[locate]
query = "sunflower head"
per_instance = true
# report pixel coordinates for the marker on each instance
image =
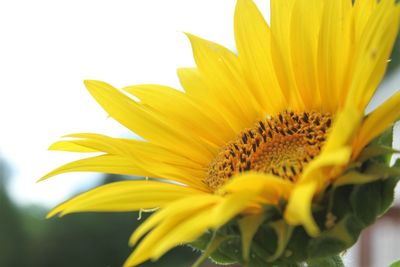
(352, 202)
(281, 145)
(267, 157)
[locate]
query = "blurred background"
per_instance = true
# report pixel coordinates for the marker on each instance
(47, 49)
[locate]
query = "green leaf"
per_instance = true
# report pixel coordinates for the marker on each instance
(256, 262)
(339, 201)
(334, 261)
(229, 251)
(389, 184)
(333, 241)
(366, 201)
(388, 194)
(372, 200)
(203, 241)
(298, 244)
(326, 246)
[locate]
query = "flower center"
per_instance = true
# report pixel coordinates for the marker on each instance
(280, 145)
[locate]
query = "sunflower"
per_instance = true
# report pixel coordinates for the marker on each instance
(276, 125)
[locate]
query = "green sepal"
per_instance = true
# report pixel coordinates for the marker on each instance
(366, 201)
(383, 170)
(283, 232)
(297, 248)
(384, 140)
(205, 244)
(337, 239)
(388, 193)
(228, 252)
(203, 241)
(373, 199)
(375, 150)
(267, 240)
(212, 246)
(248, 227)
(333, 261)
(339, 202)
(355, 177)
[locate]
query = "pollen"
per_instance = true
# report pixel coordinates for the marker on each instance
(281, 145)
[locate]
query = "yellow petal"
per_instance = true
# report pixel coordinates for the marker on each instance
(270, 188)
(192, 82)
(222, 72)
(187, 231)
(248, 228)
(113, 164)
(188, 224)
(125, 196)
(120, 164)
(195, 226)
(130, 147)
(185, 114)
(343, 129)
(71, 147)
(230, 206)
(315, 177)
(322, 168)
(194, 85)
(281, 13)
(166, 234)
(93, 143)
(304, 33)
(335, 51)
(149, 157)
(146, 124)
(174, 209)
(377, 122)
(372, 52)
(298, 210)
(363, 10)
(284, 233)
(253, 41)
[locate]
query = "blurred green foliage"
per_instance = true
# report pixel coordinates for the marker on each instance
(28, 239)
(88, 239)
(13, 238)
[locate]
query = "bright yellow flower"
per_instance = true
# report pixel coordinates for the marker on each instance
(281, 119)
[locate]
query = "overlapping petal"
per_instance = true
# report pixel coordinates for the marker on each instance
(372, 50)
(146, 123)
(126, 196)
(377, 122)
(180, 223)
(253, 42)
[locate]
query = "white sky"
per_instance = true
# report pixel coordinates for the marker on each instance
(48, 47)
